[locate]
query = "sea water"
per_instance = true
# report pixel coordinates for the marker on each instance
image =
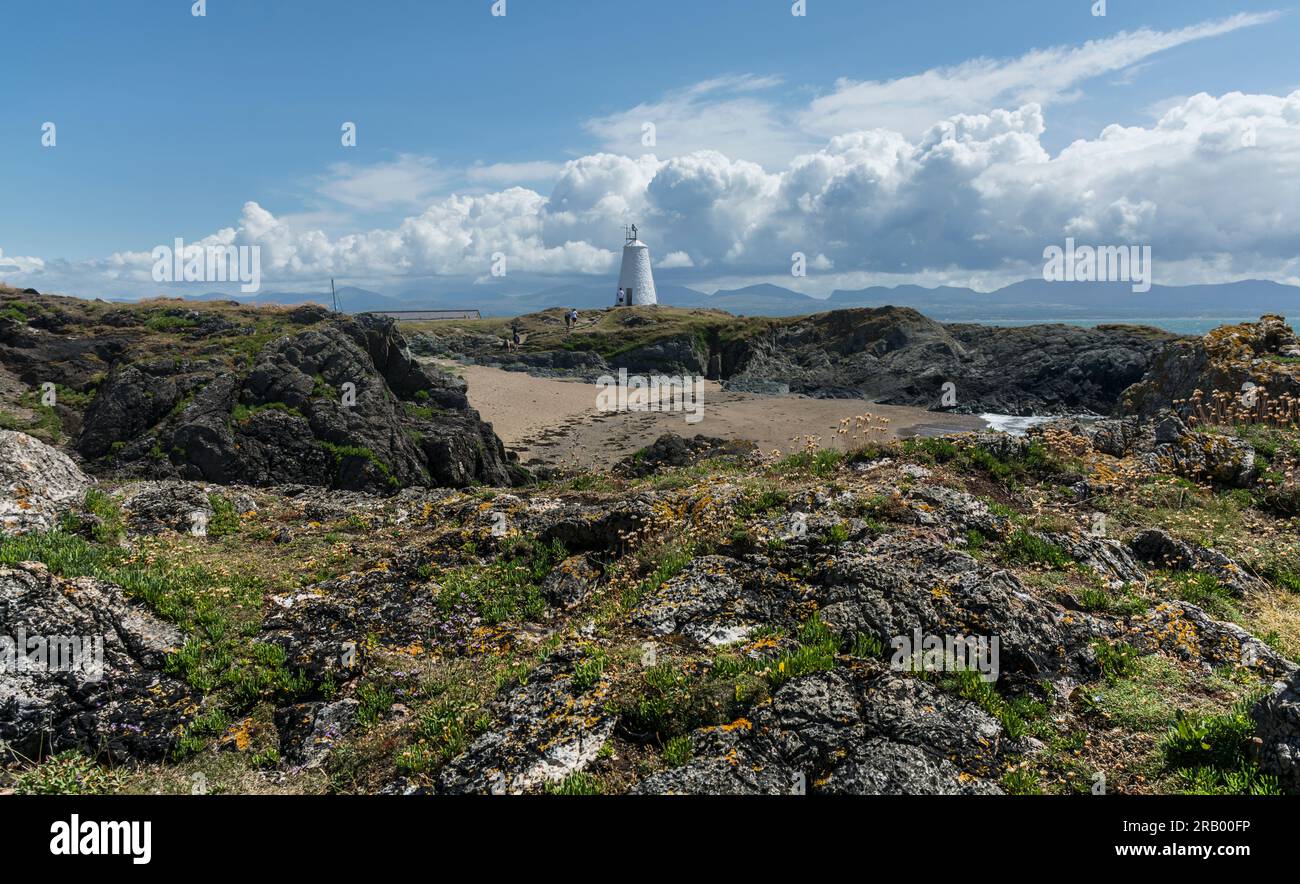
(1014, 425)
(1180, 326)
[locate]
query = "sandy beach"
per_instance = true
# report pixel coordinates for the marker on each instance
(556, 422)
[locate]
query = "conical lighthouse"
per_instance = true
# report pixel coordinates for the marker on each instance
(636, 282)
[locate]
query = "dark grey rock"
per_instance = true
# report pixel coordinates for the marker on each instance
(544, 731)
(300, 423)
(1161, 550)
(1277, 724)
(129, 709)
(37, 484)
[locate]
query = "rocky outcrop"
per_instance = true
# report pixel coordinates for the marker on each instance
(552, 727)
(1222, 366)
(1108, 558)
(323, 628)
(571, 582)
(854, 731)
(1203, 457)
(897, 356)
(894, 586)
(1163, 443)
(340, 403)
(91, 673)
(151, 507)
(1183, 630)
(1277, 721)
(308, 731)
(887, 354)
(670, 451)
(1116, 437)
(490, 350)
(717, 601)
(1160, 550)
(37, 483)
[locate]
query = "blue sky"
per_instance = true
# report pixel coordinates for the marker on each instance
(170, 125)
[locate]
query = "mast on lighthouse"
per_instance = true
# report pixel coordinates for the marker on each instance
(636, 282)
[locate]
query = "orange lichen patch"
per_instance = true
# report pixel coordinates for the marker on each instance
(240, 734)
(1175, 631)
(762, 644)
(740, 724)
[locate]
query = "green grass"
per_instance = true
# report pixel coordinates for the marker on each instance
(1021, 781)
(576, 783)
(508, 588)
(421, 412)
(225, 519)
(588, 673)
(836, 534)
(1026, 548)
(867, 647)
(761, 503)
(930, 450)
(1210, 754)
(243, 413)
(1019, 717)
(677, 751)
(1036, 462)
(666, 563)
(1269, 442)
(805, 464)
(111, 527)
(1126, 603)
(68, 773)
(815, 652)
(660, 704)
(201, 731)
(1206, 592)
(161, 322)
(443, 730)
(1288, 580)
(1116, 659)
(44, 424)
(1140, 702)
(373, 702)
(219, 655)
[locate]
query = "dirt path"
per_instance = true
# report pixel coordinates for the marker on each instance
(557, 421)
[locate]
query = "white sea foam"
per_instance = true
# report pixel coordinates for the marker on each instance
(1014, 425)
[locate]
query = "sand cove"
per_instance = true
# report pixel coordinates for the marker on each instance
(556, 421)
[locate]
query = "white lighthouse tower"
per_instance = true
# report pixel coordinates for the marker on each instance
(636, 282)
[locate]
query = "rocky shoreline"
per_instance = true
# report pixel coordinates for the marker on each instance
(889, 355)
(705, 617)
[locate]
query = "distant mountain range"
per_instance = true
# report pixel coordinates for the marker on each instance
(1031, 300)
